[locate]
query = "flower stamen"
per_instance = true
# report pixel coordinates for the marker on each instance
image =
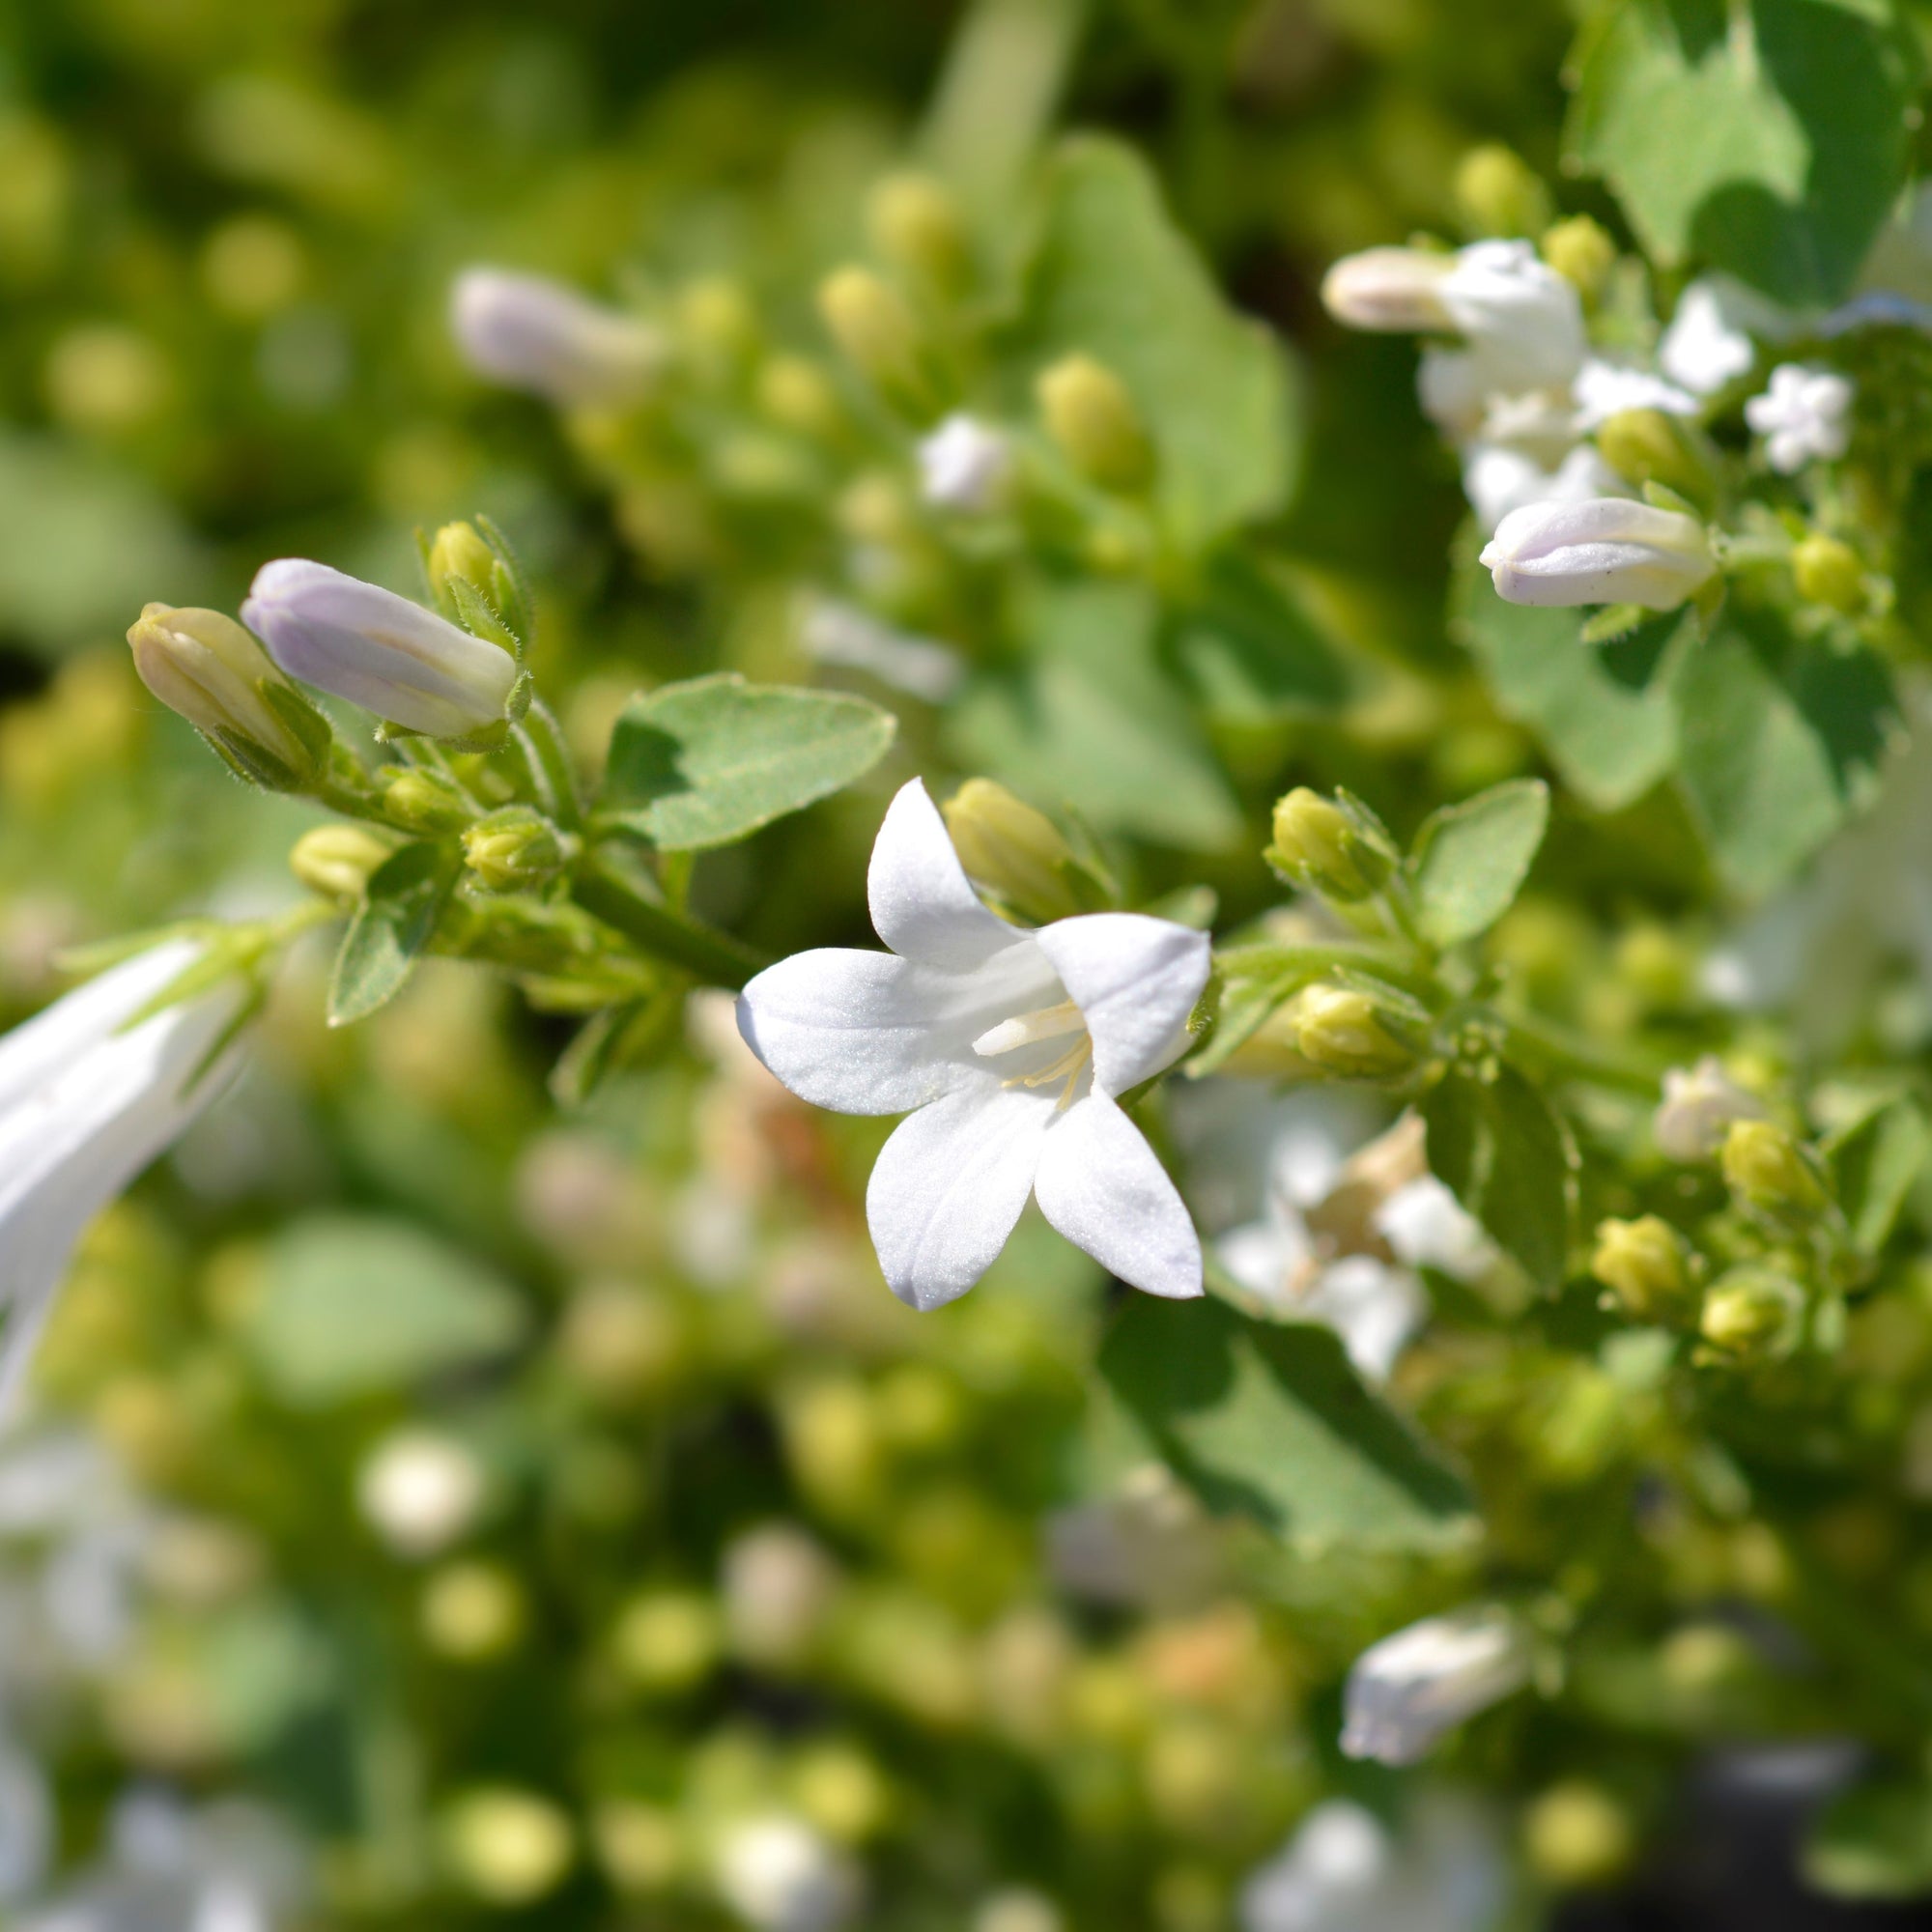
(1025, 1029)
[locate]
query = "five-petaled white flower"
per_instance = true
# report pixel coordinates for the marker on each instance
(86, 1102)
(1805, 413)
(1012, 1045)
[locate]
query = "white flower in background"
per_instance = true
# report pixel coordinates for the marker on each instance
(84, 1107)
(1699, 1104)
(842, 633)
(1521, 318)
(1344, 1871)
(778, 1583)
(964, 466)
(1012, 1047)
(528, 332)
(1499, 477)
(27, 1822)
(1605, 551)
(392, 657)
(1706, 345)
(1404, 1692)
(1804, 416)
(420, 1490)
(1605, 389)
(779, 1875)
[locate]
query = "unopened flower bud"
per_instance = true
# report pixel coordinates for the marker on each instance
(376, 649)
(513, 849)
(915, 224)
(473, 1611)
(1648, 446)
(1317, 847)
(1576, 1834)
(798, 395)
(528, 332)
(508, 1847)
(1752, 1311)
(1607, 549)
(1406, 1690)
(1340, 1031)
(204, 665)
(337, 861)
(1699, 1105)
(871, 324)
(667, 1640)
(1392, 290)
(1767, 1168)
(1016, 853)
(458, 551)
(1092, 418)
(717, 318)
(424, 801)
(1647, 1266)
(1583, 252)
(1829, 571)
(1500, 193)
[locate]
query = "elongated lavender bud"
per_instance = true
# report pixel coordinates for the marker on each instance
(528, 332)
(1605, 551)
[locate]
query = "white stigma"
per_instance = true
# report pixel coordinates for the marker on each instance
(1043, 1023)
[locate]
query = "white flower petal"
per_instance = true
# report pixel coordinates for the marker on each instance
(1135, 980)
(1100, 1184)
(871, 1032)
(949, 1185)
(922, 904)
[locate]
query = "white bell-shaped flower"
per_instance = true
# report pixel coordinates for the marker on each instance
(1009, 1049)
(1804, 415)
(86, 1102)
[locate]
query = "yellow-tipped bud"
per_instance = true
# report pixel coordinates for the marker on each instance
(336, 861)
(1649, 446)
(1340, 1031)
(1830, 572)
(1646, 1265)
(1765, 1167)
(513, 849)
(205, 666)
(1583, 252)
(1016, 853)
(1092, 418)
(459, 551)
(915, 224)
(1318, 848)
(1752, 1311)
(424, 801)
(508, 1847)
(473, 1611)
(1498, 192)
(1576, 1834)
(869, 321)
(798, 395)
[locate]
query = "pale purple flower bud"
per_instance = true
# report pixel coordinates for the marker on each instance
(528, 332)
(359, 642)
(1407, 1691)
(1605, 551)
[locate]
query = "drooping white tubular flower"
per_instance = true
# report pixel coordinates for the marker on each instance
(1012, 1047)
(528, 332)
(1804, 415)
(1705, 347)
(1699, 1104)
(1607, 551)
(359, 642)
(1406, 1691)
(84, 1107)
(1498, 478)
(964, 465)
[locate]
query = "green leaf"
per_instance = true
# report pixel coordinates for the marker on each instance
(1874, 1166)
(1092, 718)
(708, 762)
(1471, 859)
(393, 925)
(1496, 1143)
(1775, 754)
(1268, 1421)
(1768, 137)
(1603, 713)
(1250, 651)
(1116, 279)
(1873, 1841)
(352, 1304)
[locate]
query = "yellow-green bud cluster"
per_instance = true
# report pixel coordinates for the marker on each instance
(337, 861)
(1340, 1030)
(1752, 1312)
(916, 225)
(1583, 252)
(514, 849)
(1829, 571)
(1646, 1263)
(424, 801)
(1648, 446)
(879, 336)
(1498, 192)
(1766, 1169)
(1319, 847)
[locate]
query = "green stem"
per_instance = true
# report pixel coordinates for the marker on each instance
(716, 957)
(540, 739)
(1312, 962)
